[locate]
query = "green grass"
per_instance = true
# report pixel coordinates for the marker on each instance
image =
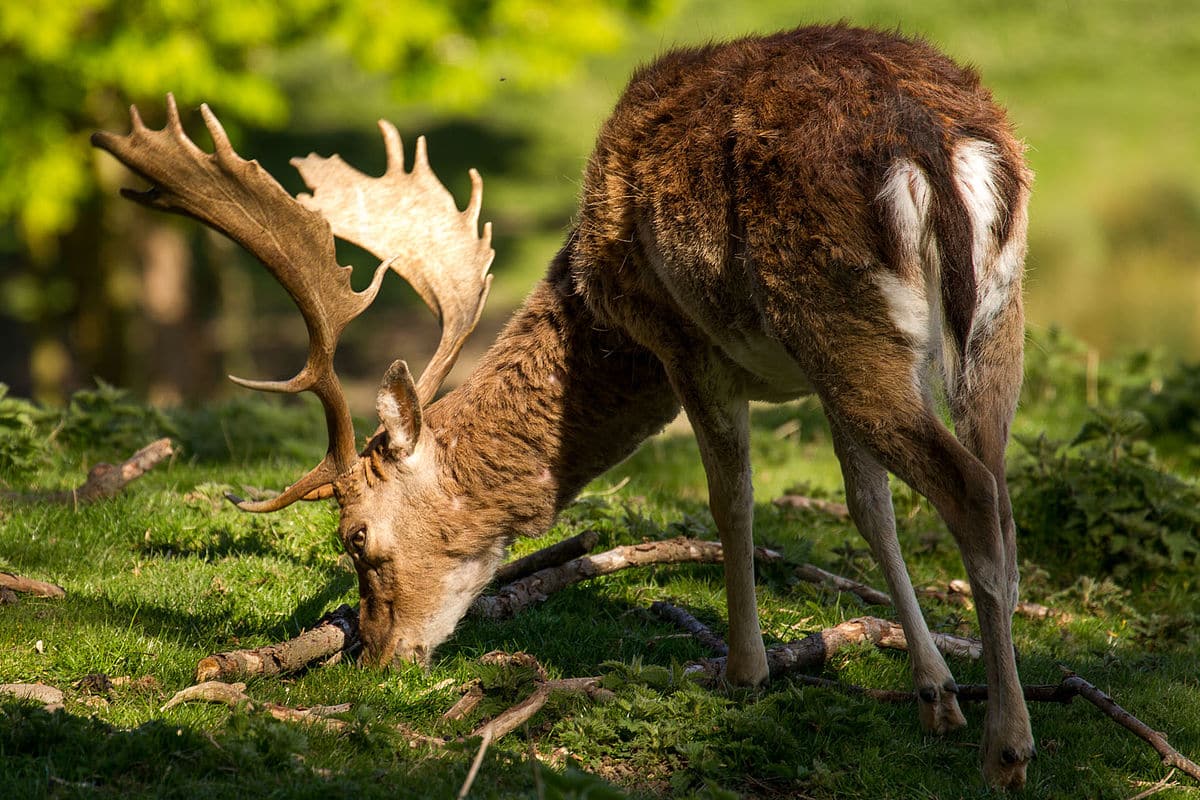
(167, 573)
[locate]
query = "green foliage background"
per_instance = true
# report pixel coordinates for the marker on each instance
(518, 88)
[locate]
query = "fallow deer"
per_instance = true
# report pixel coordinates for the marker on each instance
(828, 210)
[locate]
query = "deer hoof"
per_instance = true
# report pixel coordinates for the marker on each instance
(938, 708)
(1004, 767)
(746, 671)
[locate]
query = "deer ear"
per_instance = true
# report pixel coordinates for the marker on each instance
(399, 409)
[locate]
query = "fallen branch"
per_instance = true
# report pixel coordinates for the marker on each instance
(699, 631)
(559, 553)
(515, 716)
(338, 630)
(466, 704)
(49, 696)
(814, 574)
(1170, 756)
(815, 649)
(104, 480)
(18, 583)
(234, 695)
(333, 634)
(519, 595)
(958, 593)
(1071, 687)
(839, 510)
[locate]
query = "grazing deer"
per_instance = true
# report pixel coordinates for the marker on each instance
(829, 210)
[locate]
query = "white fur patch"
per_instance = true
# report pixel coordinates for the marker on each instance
(975, 163)
(996, 268)
(907, 305)
(906, 196)
(459, 587)
(995, 291)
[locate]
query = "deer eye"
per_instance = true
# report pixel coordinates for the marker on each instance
(356, 542)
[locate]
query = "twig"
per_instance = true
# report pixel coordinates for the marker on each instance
(839, 510)
(515, 716)
(18, 583)
(1071, 687)
(560, 553)
(334, 633)
(234, 695)
(104, 480)
(682, 619)
(483, 746)
(1156, 788)
(519, 595)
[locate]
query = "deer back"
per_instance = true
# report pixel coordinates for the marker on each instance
(793, 185)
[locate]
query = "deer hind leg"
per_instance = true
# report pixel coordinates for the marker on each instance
(895, 423)
(870, 501)
(983, 410)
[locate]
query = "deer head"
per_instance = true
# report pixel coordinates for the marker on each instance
(389, 497)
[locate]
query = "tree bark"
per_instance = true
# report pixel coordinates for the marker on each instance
(521, 594)
(104, 480)
(18, 583)
(814, 650)
(333, 634)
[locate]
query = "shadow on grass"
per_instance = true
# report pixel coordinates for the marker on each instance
(64, 755)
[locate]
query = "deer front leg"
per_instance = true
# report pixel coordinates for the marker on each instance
(870, 500)
(723, 433)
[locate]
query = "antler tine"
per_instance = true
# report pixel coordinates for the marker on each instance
(393, 146)
(240, 199)
(412, 219)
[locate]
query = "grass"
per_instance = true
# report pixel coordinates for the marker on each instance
(167, 573)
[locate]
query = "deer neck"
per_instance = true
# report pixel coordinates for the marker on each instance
(556, 401)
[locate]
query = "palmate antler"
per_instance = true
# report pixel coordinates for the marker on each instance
(295, 243)
(411, 219)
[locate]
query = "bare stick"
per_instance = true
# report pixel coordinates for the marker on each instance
(560, 553)
(234, 695)
(682, 619)
(815, 649)
(1071, 687)
(104, 480)
(466, 704)
(515, 716)
(814, 574)
(18, 583)
(333, 634)
(535, 588)
(839, 510)
(1170, 756)
(1157, 787)
(476, 763)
